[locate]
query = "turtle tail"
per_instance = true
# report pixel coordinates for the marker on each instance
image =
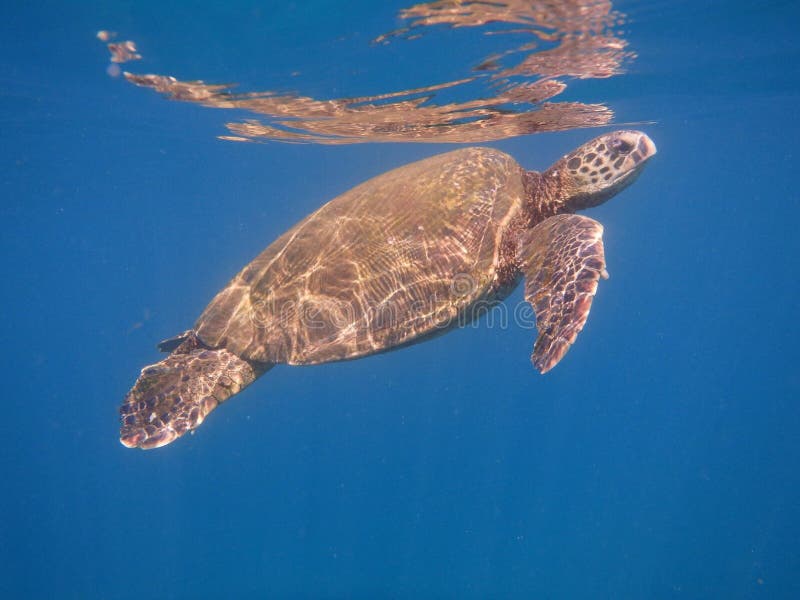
(174, 395)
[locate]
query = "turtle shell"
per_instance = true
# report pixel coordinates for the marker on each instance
(396, 258)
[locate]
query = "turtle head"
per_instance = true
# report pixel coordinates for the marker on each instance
(601, 168)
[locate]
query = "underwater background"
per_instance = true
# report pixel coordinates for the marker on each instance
(659, 459)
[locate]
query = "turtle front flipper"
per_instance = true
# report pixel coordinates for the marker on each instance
(562, 259)
(175, 395)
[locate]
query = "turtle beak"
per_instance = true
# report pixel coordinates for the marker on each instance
(635, 145)
(645, 146)
(636, 149)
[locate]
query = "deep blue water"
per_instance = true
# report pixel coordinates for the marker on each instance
(658, 460)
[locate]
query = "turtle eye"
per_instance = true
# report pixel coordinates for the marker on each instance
(621, 146)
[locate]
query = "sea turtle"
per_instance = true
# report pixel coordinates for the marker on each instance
(394, 261)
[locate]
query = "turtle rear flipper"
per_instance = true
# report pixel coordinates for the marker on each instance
(562, 259)
(175, 395)
(171, 344)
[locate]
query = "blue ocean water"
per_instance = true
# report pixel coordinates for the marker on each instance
(658, 460)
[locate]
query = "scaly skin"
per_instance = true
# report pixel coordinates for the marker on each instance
(175, 395)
